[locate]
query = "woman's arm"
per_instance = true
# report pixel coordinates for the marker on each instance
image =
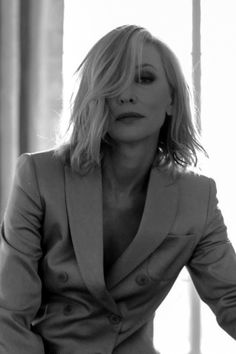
(20, 251)
(213, 267)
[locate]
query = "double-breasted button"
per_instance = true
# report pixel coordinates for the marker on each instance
(63, 277)
(67, 309)
(114, 319)
(141, 279)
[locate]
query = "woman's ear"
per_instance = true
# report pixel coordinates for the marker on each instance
(169, 109)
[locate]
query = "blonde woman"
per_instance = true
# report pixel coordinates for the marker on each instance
(97, 230)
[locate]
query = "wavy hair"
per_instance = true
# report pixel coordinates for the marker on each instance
(110, 67)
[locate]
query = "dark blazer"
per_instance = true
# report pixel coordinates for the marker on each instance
(53, 295)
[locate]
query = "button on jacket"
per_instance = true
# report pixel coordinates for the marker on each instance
(53, 295)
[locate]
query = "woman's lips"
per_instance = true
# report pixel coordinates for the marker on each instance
(129, 119)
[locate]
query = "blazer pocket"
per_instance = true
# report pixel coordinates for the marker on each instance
(166, 262)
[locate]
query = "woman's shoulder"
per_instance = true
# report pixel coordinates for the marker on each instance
(197, 181)
(44, 163)
(189, 175)
(43, 158)
(193, 175)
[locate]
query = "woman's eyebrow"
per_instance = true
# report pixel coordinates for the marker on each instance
(146, 64)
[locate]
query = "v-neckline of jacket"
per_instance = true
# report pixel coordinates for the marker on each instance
(84, 207)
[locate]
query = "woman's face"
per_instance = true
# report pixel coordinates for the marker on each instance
(151, 97)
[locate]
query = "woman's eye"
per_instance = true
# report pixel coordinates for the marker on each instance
(144, 79)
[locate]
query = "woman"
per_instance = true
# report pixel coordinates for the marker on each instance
(97, 230)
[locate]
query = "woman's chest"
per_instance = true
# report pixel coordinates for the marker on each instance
(120, 225)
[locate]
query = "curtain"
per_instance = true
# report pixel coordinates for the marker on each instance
(31, 42)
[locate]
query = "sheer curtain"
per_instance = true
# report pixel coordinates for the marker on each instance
(31, 34)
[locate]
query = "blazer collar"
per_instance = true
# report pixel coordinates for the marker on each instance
(84, 206)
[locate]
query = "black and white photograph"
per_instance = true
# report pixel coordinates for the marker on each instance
(117, 177)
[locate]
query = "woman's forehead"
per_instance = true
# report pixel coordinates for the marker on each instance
(153, 60)
(151, 57)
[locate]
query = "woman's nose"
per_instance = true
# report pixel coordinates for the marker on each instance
(127, 98)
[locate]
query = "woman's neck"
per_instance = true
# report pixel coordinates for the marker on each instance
(126, 167)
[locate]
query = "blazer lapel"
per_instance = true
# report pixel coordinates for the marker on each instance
(84, 206)
(84, 203)
(158, 216)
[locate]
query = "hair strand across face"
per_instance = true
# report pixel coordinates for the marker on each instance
(108, 68)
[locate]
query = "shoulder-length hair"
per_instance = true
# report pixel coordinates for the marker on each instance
(110, 67)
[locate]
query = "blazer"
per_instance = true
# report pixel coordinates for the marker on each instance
(54, 298)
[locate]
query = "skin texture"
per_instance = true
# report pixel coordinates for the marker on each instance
(127, 162)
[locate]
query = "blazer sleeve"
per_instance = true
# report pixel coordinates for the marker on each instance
(20, 251)
(213, 267)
